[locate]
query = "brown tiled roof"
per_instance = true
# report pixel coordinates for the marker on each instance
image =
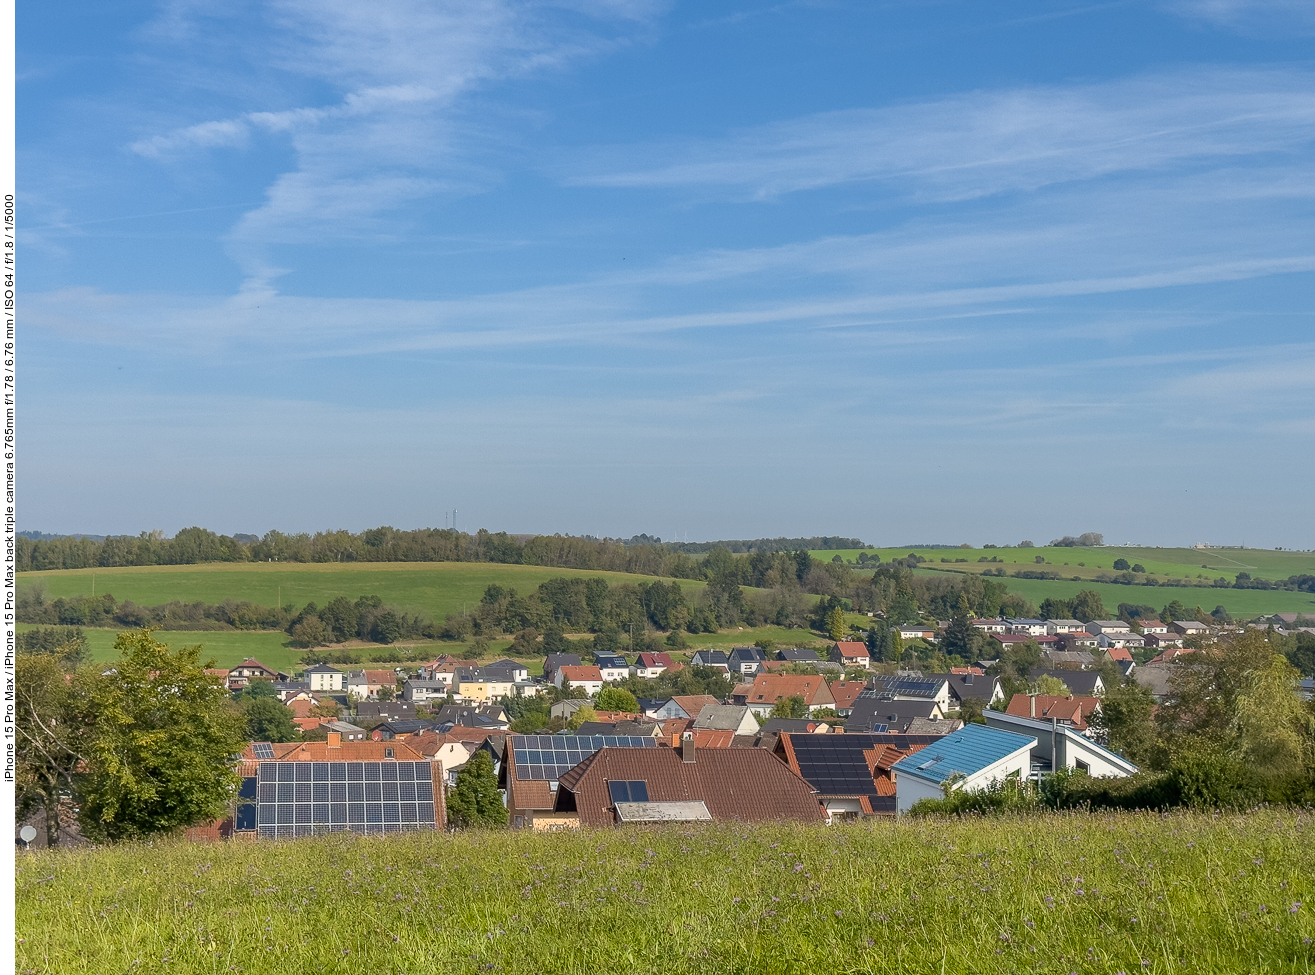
(676, 726)
(386, 677)
(531, 794)
(851, 648)
(694, 703)
(770, 688)
(846, 692)
(1067, 708)
(744, 784)
(580, 674)
(708, 738)
(300, 707)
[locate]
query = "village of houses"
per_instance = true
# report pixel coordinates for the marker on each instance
(870, 745)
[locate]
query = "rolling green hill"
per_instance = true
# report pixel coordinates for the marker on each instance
(1184, 566)
(432, 589)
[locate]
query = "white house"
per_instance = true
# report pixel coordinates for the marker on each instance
(1054, 627)
(322, 677)
(421, 691)
(588, 678)
(1058, 747)
(972, 758)
(1097, 627)
(1026, 627)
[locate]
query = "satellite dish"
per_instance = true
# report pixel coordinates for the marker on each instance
(27, 834)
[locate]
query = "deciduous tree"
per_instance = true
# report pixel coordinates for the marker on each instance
(160, 744)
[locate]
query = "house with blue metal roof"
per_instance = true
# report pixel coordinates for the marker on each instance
(971, 758)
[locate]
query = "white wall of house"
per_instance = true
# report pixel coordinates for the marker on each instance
(326, 680)
(909, 789)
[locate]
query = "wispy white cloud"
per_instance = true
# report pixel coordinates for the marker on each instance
(392, 138)
(1259, 16)
(984, 143)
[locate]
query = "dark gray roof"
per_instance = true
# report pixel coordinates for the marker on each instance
(896, 715)
(1081, 682)
(775, 726)
(912, 687)
(798, 655)
(739, 654)
(712, 656)
(968, 685)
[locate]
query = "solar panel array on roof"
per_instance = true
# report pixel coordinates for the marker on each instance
(904, 686)
(263, 749)
(304, 798)
(834, 765)
(547, 757)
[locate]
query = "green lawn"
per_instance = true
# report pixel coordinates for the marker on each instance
(433, 589)
(1106, 893)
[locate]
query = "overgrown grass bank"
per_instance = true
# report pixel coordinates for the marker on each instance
(1063, 893)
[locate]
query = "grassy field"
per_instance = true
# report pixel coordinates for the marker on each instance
(1127, 893)
(1175, 562)
(433, 589)
(1160, 564)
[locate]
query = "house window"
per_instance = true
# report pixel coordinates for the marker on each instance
(1082, 766)
(388, 753)
(628, 791)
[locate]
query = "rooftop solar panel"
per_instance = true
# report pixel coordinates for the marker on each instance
(263, 749)
(547, 757)
(294, 799)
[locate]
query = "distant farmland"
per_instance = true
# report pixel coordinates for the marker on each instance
(1162, 564)
(432, 589)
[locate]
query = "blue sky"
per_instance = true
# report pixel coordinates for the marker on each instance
(909, 271)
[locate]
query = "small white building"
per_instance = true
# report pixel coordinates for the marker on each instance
(1059, 747)
(322, 677)
(972, 758)
(1055, 627)
(1097, 627)
(586, 677)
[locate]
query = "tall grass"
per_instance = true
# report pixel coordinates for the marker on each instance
(1062, 893)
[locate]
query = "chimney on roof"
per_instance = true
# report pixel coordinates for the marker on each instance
(1031, 703)
(687, 751)
(675, 739)
(335, 739)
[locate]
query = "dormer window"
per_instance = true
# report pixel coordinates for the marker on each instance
(388, 753)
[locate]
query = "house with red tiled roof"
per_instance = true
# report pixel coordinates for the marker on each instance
(1070, 711)
(586, 677)
(615, 786)
(649, 665)
(1169, 655)
(851, 653)
(767, 689)
(845, 693)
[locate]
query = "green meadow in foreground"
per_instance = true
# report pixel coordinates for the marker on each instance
(1105, 893)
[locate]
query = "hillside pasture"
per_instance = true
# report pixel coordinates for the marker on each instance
(1172, 562)
(432, 589)
(1085, 893)
(1161, 565)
